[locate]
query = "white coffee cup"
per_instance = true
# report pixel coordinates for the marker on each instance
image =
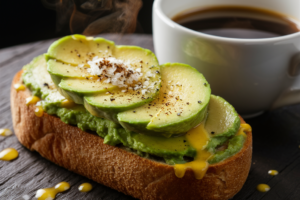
(254, 75)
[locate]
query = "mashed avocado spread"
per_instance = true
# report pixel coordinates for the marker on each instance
(173, 150)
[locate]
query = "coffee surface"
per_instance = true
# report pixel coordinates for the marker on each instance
(238, 22)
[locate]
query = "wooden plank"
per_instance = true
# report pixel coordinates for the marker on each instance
(275, 135)
(11, 53)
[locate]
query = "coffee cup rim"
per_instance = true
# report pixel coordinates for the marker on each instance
(157, 8)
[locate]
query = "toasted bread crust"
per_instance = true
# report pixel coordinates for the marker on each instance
(85, 154)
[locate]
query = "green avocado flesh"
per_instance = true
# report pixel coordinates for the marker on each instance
(106, 78)
(172, 150)
(222, 118)
(180, 106)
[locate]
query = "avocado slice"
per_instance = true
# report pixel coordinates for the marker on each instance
(78, 49)
(77, 88)
(222, 120)
(89, 71)
(137, 119)
(181, 105)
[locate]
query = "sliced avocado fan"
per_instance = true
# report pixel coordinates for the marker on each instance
(173, 150)
(104, 77)
(181, 105)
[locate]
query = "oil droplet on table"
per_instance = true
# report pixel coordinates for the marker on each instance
(5, 132)
(8, 154)
(273, 172)
(19, 87)
(50, 193)
(263, 188)
(85, 187)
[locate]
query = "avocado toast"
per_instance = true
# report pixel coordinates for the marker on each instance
(157, 147)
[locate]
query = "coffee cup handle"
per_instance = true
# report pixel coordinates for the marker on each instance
(292, 94)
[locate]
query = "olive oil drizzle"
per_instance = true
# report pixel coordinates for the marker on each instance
(50, 193)
(32, 100)
(9, 154)
(67, 104)
(19, 87)
(38, 111)
(85, 187)
(198, 138)
(244, 128)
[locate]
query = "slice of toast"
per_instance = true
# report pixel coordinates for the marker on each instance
(85, 154)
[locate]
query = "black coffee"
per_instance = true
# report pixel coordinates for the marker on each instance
(238, 22)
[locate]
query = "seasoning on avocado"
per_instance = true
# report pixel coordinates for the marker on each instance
(46, 85)
(134, 111)
(199, 101)
(178, 114)
(205, 84)
(212, 132)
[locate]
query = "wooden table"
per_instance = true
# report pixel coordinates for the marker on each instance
(276, 137)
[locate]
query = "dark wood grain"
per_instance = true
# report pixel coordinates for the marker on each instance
(276, 137)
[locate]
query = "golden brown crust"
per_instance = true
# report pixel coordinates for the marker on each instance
(85, 154)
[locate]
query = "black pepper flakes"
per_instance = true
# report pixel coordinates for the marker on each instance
(133, 111)
(199, 101)
(205, 84)
(112, 99)
(187, 103)
(212, 132)
(46, 85)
